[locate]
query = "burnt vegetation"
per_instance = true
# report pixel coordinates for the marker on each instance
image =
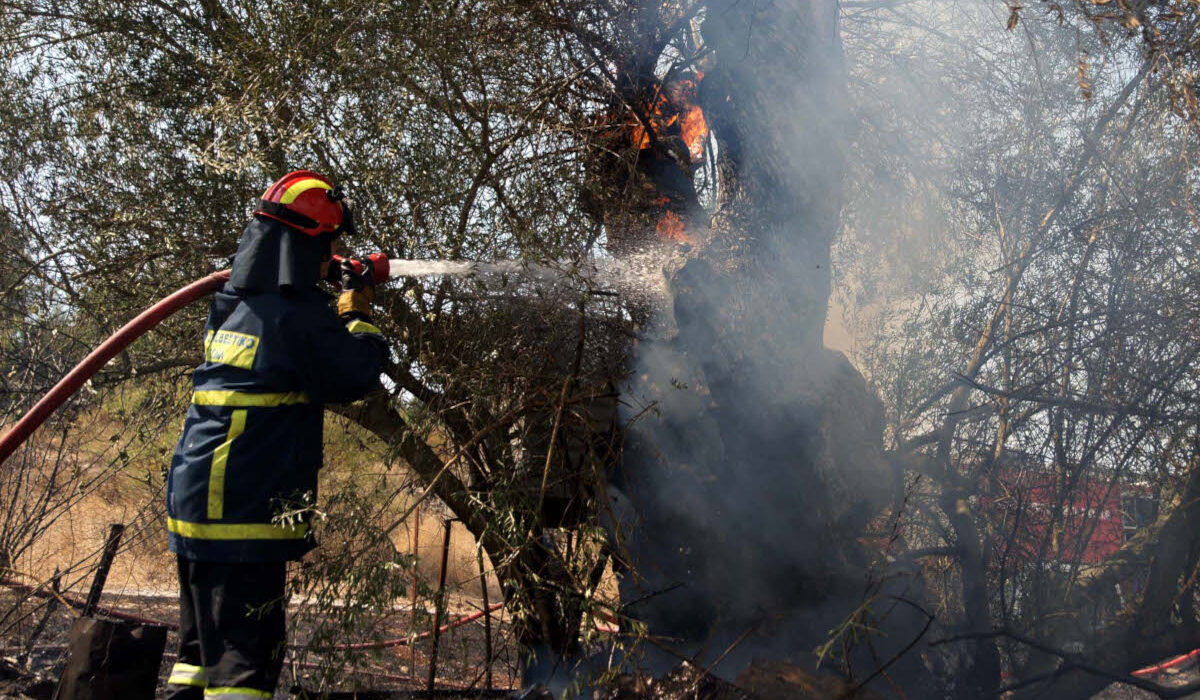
(992, 488)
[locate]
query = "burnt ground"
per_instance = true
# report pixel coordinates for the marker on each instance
(402, 671)
(461, 660)
(1172, 678)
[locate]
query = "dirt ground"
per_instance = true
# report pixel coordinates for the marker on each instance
(462, 661)
(142, 581)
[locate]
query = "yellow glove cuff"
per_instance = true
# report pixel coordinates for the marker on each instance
(356, 302)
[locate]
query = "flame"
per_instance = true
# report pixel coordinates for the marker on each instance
(695, 131)
(671, 122)
(671, 227)
(658, 121)
(692, 126)
(675, 104)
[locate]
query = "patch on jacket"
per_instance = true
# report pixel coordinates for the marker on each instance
(231, 348)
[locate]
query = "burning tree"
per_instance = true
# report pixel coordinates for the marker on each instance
(732, 140)
(644, 83)
(748, 480)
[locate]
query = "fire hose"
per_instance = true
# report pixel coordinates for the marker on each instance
(377, 264)
(1168, 665)
(107, 350)
(151, 317)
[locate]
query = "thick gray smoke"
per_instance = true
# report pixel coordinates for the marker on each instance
(755, 461)
(759, 461)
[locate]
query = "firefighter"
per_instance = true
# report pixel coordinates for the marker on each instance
(245, 468)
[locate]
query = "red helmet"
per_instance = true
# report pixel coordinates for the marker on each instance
(304, 200)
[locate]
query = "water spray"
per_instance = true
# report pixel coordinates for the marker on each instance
(382, 269)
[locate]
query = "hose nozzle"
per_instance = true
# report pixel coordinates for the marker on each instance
(377, 263)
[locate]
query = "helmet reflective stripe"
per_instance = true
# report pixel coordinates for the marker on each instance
(299, 188)
(306, 201)
(275, 192)
(187, 674)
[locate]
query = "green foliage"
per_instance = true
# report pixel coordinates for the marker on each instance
(137, 135)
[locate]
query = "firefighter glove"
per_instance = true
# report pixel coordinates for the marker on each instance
(356, 303)
(357, 279)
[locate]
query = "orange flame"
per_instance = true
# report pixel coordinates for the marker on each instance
(658, 121)
(695, 131)
(676, 104)
(693, 126)
(671, 227)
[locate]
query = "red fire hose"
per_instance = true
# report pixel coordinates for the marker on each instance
(91, 364)
(1168, 665)
(376, 263)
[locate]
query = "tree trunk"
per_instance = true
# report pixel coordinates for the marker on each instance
(765, 461)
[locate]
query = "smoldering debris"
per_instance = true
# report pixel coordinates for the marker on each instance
(17, 681)
(762, 680)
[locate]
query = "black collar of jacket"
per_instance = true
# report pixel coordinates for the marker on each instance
(274, 257)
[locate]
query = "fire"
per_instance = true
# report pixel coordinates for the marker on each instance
(676, 105)
(669, 130)
(695, 131)
(692, 125)
(671, 227)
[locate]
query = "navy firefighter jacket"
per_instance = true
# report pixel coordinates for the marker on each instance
(252, 441)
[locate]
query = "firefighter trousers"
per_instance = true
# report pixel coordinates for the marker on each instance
(231, 630)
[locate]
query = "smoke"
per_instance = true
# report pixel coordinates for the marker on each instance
(757, 461)
(755, 456)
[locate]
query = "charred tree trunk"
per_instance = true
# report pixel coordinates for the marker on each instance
(764, 464)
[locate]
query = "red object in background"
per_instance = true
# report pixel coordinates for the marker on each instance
(1038, 520)
(1090, 526)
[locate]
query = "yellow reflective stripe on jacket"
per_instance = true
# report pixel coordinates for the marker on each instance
(216, 475)
(299, 188)
(357, 326)
(235, 693)
(241, 399)
(187, 674)
(237, 531)
(231, 348)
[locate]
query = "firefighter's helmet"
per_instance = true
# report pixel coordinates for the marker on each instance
(306, 201)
